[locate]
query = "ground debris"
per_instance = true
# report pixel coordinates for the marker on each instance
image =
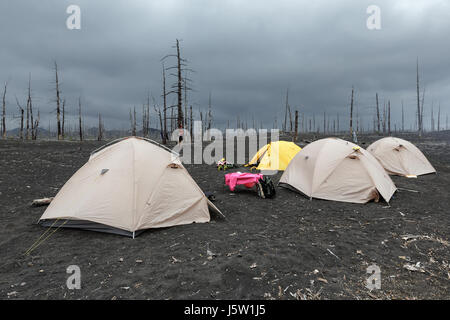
(416, 267)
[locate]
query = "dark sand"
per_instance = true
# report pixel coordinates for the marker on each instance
(266, 248)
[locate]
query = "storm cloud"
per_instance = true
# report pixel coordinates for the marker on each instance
(247, 53)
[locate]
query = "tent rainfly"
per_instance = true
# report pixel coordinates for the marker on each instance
(274, 156)
(126, 187)
(400, 157)
(334, 169)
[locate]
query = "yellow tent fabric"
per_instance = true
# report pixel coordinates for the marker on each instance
(275, 155)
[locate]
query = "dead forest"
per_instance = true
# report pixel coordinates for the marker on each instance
(157, 117)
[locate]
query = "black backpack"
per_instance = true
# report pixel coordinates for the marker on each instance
(266, 188)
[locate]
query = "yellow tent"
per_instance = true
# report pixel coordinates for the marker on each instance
(274, 156)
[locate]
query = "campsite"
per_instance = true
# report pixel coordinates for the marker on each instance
(224, 158)
(288, 247)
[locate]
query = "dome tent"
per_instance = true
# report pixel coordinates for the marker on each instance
(400, 157)
(274, 156)
(127, 186)
(334, 169)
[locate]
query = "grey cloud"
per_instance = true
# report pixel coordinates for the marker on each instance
(247, 53)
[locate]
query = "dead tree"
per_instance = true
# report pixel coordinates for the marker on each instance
(4, 112)
(439, 118)
(180, 85)
(80, 127)
(314, 122)
(378, 113)
(351, 113)
(21, 119)
(432, 118)
(389, 117)
(100, 128)
(164, 135)
(287, 113)
(403, 118)
(419, 111)
(337, 120)
(186, 118)
(179, 89)
(191, 121)
(209, 112)
(35, 126)
(421, 108)
(58, 102)
(63, 118)
(161, 128)
(324, 122)
(296, 126)
(28, 119)
(133, 121)
(30, 112)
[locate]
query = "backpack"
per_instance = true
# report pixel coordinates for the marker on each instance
(266, 188)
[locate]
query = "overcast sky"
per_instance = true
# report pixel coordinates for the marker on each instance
(246, 53)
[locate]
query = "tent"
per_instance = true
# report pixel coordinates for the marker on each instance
(127, 186)
(334, 169)
(274, 156)
(400, 157)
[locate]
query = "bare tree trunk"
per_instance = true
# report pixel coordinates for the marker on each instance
(378, 113)
(161, 127)
(296, 126)
(179, 91)
(21, 119)
(403, 118)
(28, 120)
(389, 117)
(36, 126)
(63, 134)
(191, 121)
(337, 120)
(419, 117)
(21, 123)
(185, 103)
(286, 111)
(133, 122)
(30, 108)
(209, 112)
(58, 100)
(79, 120)
(421, 111)
(439, 118)
(143, 120)
(4, 112)
(100, 128)
(432, 117)
(290, 113)
(324, 123)
(147, 124)
(314, 122)
(351, 113)
(164, 137)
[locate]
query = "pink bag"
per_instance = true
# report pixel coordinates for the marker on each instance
(238, 178)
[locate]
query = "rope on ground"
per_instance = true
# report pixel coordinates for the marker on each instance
(38, 242)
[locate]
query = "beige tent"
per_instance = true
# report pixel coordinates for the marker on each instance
(127, 186)
(334, 169)
(400, 157)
